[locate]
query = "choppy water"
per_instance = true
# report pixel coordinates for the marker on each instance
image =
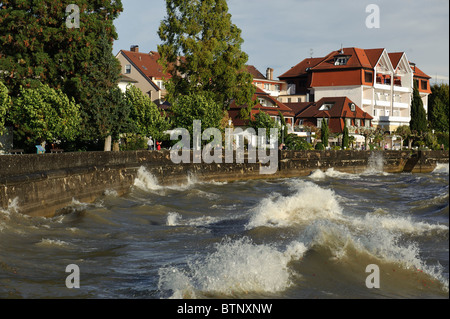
(309, 237)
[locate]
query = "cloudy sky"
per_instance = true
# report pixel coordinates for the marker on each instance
(281, 33)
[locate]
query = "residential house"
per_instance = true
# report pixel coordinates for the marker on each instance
(266, 82)
(144, 69)
(380, 82)
(267, 104)
(338, 112)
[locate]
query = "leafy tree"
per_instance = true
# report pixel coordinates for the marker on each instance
(418, 115)
(38, 47)
(297, 143)
(210, 45)
(188, 108)
(405, 133)
(5, 104)
(324, 133)
(263, 120)
(148, 118)
(111, 116)
(45, 114)
(345, 137)
(438, 107)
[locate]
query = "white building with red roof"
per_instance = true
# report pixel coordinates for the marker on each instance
(381, 83)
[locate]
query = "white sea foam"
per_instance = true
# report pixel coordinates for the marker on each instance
(441, 168)
(308, 203)
(175, 219)
(146, 181)
(331, 172)
(53, 243)
(236, 267)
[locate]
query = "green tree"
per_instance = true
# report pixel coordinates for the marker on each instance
(345, 137)
(418, 115)
(45, 114)
(405, 133)
(438, 107)
(5, 105)
(111, 117)
(201, 50)
(148, 118)
(189, 108)
(37, 46)
(324, 132)
(297, 143)
(263, 120)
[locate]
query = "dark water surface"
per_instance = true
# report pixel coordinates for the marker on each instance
(309, 237)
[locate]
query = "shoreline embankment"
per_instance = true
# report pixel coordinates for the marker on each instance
(42, 185)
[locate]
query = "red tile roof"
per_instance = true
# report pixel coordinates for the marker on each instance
(273, 111)
(255, 72)
(301, 68)
(341, 109)
(147, 63)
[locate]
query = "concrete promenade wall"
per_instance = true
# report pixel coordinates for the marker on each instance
(44, 184)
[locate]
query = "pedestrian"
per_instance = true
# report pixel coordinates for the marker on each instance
(442, 147)
(150, 143)
(158, 145)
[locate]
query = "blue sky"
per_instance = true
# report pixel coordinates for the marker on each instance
(280, 34)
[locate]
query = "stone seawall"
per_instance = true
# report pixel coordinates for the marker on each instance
(44, 184)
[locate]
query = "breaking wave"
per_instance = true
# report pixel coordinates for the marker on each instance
(235, 268)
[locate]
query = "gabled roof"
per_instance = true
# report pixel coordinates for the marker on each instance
(358, 58)
(340, 109)
(419, 73)
(147, 63)
(273, 111)
(395, 58)
(255, 72)
(298, 107)
(301, 68)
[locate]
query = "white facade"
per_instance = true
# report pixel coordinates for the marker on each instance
(388, 102)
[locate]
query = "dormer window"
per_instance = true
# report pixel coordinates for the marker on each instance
(341, 60)
(326, 107)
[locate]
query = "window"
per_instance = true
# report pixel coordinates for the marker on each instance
(367, 123)
(358, 122)
(375, 113)
(128, 69)
(266, 86)
(319, 123)
(326, 107)
(341, 61)
(277, 87)
(424, 85)
(352, 107)
(368, 76)
(348, 122)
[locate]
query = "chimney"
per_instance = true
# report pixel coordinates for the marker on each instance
(134, 48)
(269, 74)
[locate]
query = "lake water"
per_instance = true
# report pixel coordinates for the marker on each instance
(308, 237)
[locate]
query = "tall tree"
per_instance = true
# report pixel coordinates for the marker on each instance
(201, 50)
(148, 118)
(438, 107)
(345, 137)
(37, 45)
(5, 105)
(324, 132)
(45, 114)
(418, 121)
